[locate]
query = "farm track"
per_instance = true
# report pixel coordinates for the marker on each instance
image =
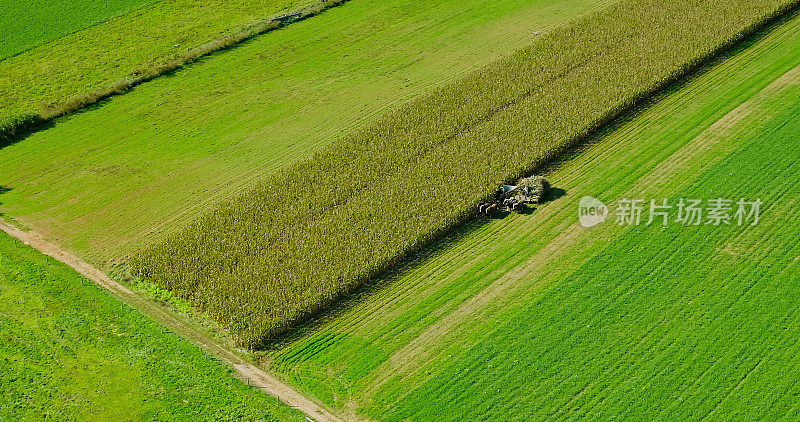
(246, 372)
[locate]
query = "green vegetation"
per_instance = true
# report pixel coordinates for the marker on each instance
(537, 187)
(70, 351)
(533, 317)
(26, 24)
(260, 27)
(316, 230)
(529, 317)
(98, 56)
(12, 128)
(120, 175)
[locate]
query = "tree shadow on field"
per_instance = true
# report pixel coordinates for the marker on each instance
(547, 165)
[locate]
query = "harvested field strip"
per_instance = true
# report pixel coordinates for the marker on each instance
(324, 226)
(416, 331)
(117, 177)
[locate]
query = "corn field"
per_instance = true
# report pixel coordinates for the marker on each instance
(318, 229)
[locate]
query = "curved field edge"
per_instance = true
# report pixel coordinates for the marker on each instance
(119, 176)
(324, 226)
(483, 326)
(83, 68)
(73, 352)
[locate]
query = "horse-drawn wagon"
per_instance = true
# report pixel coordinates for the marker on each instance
(530, 190)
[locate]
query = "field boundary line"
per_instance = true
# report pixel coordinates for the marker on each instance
(246, 372)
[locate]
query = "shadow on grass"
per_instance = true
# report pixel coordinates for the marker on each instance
(10, 138)
(18, 128)
(580, 145)
(3, 189)
(376, 284)
(551, 195)
(547, 165)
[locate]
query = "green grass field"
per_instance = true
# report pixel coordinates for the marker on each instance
(71, 351)
(69, 60)
(533, 317)
(29, 23)
(109, 180)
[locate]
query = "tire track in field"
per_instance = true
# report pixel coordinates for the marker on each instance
(246, 371)
(739, 297)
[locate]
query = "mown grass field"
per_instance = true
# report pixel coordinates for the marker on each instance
(107, 181)
(68, 48)
(27, 24)
(71, 351)
(533, 317)
(313, 232)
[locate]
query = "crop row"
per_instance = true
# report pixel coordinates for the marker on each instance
(316, 230)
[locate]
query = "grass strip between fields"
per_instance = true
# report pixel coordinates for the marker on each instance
(27, 24)
(313, 232)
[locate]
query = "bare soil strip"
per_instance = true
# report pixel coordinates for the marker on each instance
(247, 372)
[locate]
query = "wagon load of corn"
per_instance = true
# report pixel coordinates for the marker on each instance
(533, 189)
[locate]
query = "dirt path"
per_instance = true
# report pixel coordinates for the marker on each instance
(247, 372)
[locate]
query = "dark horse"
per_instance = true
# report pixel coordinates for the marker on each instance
(487, 208)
